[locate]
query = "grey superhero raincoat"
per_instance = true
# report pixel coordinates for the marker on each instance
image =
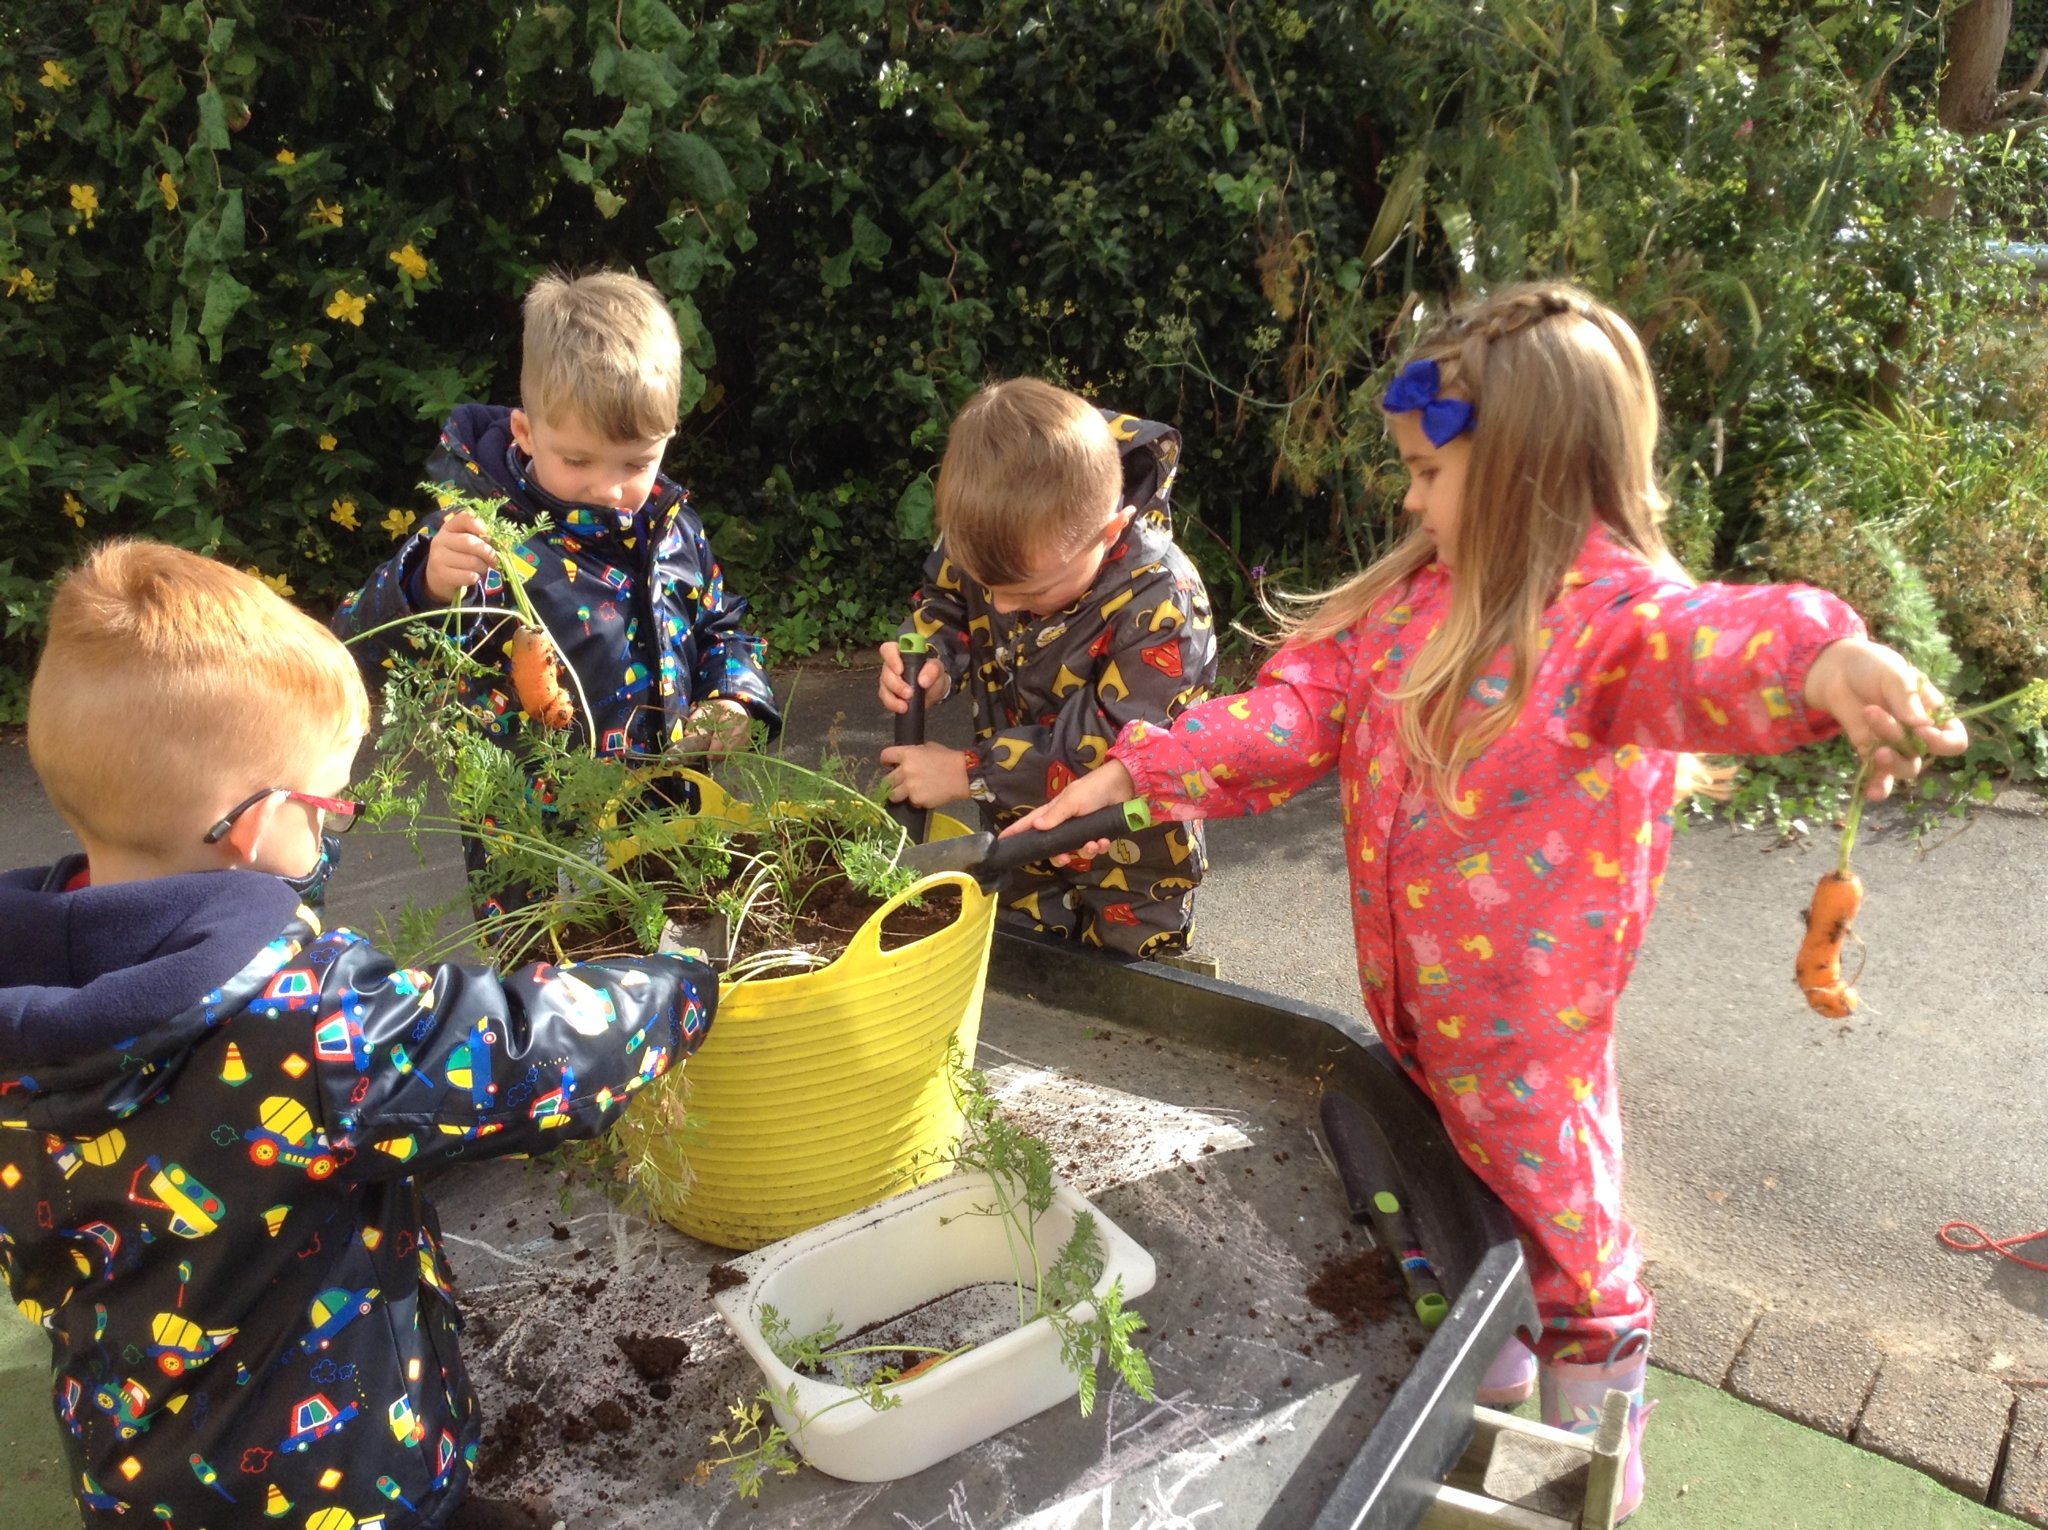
(1051, 692)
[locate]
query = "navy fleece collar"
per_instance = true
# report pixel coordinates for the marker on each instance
(88, 969)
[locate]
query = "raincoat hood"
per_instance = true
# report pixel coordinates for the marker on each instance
(100, 979)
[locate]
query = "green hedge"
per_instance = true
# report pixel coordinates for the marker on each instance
(252, 255)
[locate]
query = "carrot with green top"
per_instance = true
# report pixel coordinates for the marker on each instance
(1838, 898)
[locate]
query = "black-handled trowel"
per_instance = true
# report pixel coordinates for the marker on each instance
(987, 856)
(914, 647)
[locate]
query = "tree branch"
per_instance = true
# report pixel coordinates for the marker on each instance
(2031, 85)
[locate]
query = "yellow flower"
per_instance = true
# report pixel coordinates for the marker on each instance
(348, 306)
(86, 200)
(276, 581)
(286, 157)
(29, 285)
(325, 212)
(169, 188)
(327, 442)
(344, 515)
(75, 510)
(410, 261)
(55, 75)
(304, 351)
(398, 522)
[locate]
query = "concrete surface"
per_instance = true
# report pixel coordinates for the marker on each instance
(1816, 1374)
(1935, 1418)
(1788, 1175)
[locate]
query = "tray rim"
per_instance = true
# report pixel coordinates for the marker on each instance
(1393, 1476)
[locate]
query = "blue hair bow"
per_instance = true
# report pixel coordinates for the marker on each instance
(1416, 387)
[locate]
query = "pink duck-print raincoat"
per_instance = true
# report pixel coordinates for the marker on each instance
(1492, 944)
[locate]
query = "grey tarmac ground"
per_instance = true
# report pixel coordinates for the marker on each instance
(1789, 1175)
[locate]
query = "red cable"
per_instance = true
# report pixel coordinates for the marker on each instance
(1986, 1244)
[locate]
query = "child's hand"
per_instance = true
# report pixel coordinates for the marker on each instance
(925, 775)
(1105, 786)
(895, 690)
(457, 557)
(717, 726)
(1886, 708)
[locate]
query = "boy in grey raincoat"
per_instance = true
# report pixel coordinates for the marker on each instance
(1057, 598)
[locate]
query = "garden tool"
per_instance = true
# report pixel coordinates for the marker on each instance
(1373, 1186)
(914, 647)
(987, 856)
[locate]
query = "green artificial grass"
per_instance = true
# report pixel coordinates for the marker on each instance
(1715, 1463)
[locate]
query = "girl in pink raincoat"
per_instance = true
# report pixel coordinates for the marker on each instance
(1505, 697)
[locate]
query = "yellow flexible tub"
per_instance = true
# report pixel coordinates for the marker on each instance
(816, 1094)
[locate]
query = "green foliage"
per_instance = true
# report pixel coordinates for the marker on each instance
(623, 864)
(252, 256)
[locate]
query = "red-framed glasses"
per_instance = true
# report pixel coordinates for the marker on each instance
(339, 811)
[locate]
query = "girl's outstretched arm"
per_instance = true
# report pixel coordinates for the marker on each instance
(1712, 668)
(1231, 755)
(1105, 786)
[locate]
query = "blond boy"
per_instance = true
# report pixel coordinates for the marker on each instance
(624, 577)
(211, 1111)
(1057, 597)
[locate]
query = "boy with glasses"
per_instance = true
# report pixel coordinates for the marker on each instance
(211, 1111)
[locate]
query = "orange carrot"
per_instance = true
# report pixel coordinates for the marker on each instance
(537, 678)
(924, 1365)
(1835, 904)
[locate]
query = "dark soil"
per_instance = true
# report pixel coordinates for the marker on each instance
(957, 1320)
(723, 1277)
(828, 909)
(475, 1513)
(653, 1356)
(838, 909)
(511, 1440)
(608, 1417)
(1359, 1290)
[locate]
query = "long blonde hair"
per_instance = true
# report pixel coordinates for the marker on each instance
(1565, 431)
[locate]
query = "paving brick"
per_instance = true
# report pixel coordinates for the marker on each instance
(1816, 1374)
(1939, 1419)
(2023, 1490)
(1700, 1326)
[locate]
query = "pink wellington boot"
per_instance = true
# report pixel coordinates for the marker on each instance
(1573, 1396)
(1511, 1378)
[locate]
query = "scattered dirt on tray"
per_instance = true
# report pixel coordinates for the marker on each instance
(479, 1513)
(723, 1277)
(592, 1388)
(509, 1440)
(1358, 1290)
(653, 1356)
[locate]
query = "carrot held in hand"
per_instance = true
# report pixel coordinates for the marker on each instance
(537, 678)
(1835, 904)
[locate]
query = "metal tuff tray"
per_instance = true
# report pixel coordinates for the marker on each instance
(1186, 1109)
